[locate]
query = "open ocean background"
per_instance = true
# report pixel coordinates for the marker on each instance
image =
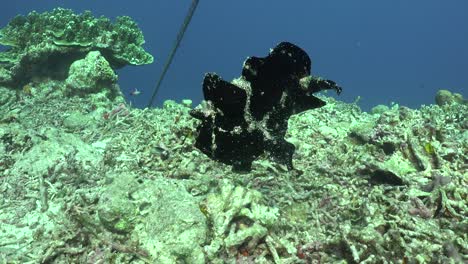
(384, 51)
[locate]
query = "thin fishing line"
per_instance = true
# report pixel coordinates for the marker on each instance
(182, 30)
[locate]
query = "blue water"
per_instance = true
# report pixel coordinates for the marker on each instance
(398, 51)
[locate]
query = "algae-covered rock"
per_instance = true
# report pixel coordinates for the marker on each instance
(45, 44)
(444, 97)
(115, 210)
(76, 121)
(379, 109)
(362, 132)
(91, 74)
(160, 214)
(50, 147)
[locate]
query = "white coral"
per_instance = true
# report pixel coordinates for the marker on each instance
(236, 202)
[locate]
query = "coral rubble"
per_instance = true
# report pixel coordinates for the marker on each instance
(79, 187)
(86, 178)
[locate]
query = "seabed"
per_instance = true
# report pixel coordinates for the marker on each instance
(86, 178)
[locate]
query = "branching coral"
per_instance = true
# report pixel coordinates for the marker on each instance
(237, 217)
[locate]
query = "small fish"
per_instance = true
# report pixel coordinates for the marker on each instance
(135, 92)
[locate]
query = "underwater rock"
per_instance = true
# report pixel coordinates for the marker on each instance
(160, 214)
(444, 97)
(45, 44)
(91, 74)
(76, 121)
(379, 109)
(247, 117)
(46, 151)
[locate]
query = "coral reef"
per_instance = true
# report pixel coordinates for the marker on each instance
(131, 188)
(89, 179)
(248, 117)
(45, 44)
